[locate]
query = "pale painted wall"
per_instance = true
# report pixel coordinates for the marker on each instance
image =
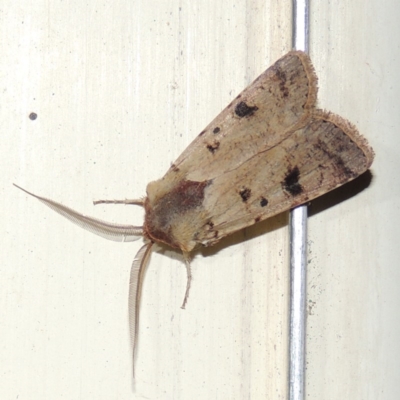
(120, 89)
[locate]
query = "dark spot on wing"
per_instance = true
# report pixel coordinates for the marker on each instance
(174, 168)
(263, 202)
(281, 74)
(282, 78)
(340, 166)
(291, 182)
(213, 147)
(257, 219)
(216, 130)
(202, 133)
(245, 194)
(243, 110)
(210, 228)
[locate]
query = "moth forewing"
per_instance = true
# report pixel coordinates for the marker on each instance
(267, 152)
(324, 154)
(279, 99)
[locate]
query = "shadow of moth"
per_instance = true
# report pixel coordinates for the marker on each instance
(267, 152)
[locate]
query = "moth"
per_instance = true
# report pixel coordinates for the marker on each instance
(270, 150)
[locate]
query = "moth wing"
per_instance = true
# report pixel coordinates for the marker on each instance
(267, 152)
(324, 154)
(279, 99)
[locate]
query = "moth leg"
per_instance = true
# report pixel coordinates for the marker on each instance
(186, 256)
(135, 288)
(138, 202)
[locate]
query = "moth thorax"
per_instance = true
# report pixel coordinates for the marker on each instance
(175, 216)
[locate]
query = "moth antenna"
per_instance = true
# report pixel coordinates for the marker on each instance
(135, 288)
(138, 202)
(107, 230)
(186, 256)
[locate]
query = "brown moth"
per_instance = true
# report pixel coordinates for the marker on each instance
(267, 152)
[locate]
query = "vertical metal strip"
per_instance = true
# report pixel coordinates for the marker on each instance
(298, 276)
(300, 32)
(298, 245)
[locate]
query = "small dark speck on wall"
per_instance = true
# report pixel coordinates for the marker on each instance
(32, 116)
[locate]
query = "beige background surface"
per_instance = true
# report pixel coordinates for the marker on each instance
(120, 89)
